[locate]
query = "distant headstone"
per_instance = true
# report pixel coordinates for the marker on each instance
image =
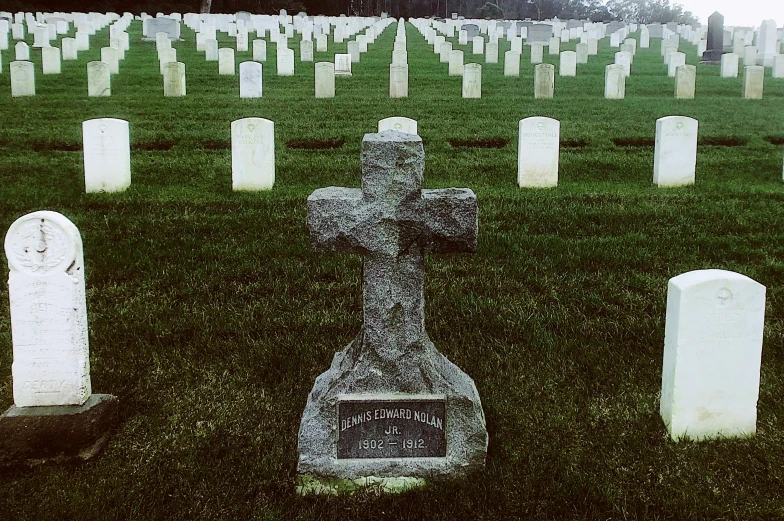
(753, 78)
(554, 48)
(153, 26)
(252, 154)
(676, 60)
(471, 30)
(512, 63)
(537, 53)
(353, 51)
(226, 66)
(50, 60)
(715, 42)
(342, 65)
(778, 67)
(109, 57)
(478, 45)
(568, 64)
(22, 79)
(685, 81)
(211, 50)
(398, 81)
(325, 80)
(306, 51)
(544, 81)
(250, 80)
(285, 62)
(399, 124)
(174, 79)
(472, 80)
(391, 409)
(539, 33)
(70, 52)
(22, 51)
(614, 82)
(712, 352)
(729, 65)
(99, 80)
(767, 43)
(260, 50)
(491, 53)
(537, 152)
(107, 155)
(675, 154)
(321, 43)
(55, 416)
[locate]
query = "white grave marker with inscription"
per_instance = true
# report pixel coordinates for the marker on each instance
(537, 152)
(48, 311)
(250, 80)
(99, 80)
(712, 353)
(398, 123)
(107, 155)
(675, 154)
(252, 154)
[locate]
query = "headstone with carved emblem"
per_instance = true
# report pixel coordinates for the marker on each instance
(712, 353)
(391, 410)
(107, 155)
(675, 153)
(55, 415)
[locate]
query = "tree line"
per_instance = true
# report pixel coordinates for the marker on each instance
(643, 11)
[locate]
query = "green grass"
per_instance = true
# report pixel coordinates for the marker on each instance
(210, 317)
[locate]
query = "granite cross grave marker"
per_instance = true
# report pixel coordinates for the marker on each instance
(391, 408)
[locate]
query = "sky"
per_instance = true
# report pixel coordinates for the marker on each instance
(736, 12)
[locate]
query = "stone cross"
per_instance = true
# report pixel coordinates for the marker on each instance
(392, 223)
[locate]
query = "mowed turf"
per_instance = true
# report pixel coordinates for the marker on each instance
(210, 317)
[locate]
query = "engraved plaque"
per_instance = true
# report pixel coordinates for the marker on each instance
(384, 426)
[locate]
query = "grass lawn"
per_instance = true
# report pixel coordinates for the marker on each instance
(210, 317)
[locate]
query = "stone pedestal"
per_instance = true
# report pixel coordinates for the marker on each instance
(56, 434)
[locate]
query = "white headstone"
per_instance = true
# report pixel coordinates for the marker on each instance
(48, 311)
(712, 354)
(22, 79)
(107, 155)
(306, 51)
(675, 154)
(512, 63)
(353, 51)
(252, 154)
(753, 78)
(22, 51)
(614, 82)
(399, 124)
(544, 81)
(50, 59)
(568, 65)
(250, 79)
(676, 60)
(285, 62)
(166, 56)
(109, 56)
(554, 49)
(321, 43)
(685, 81)
(625, 59)
(472, 80)
(260, 50)
(491, 55)
(174, 79)
(70, 51)
(99, 80)
(342, 65)
(778, 66)
(242, 41)
(537, 152)
(537, 52)
(325, 80)
(478, 45)
(750, 55)
(211, 50)
(398, 81)
(226, 65)
(729, 65)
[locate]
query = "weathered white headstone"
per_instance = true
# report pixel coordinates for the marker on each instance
(211, 50)
(109, 56)
(22, 78)
(537, 152)
(22, 51)
(250, 79)
(174, 80)
(544, 81)
(82, 41)
(342, 65)
(285, 62)
(166, 56)
(753, 78)
(537, 52)
(676, 60)
(554, 49)
(226, 66)
(242, 41)
(107, 155)
(456, 63)
(472, 80)
(712, 355)
(750, 55)
(398, 123)
(491, 54)
(252, 154)
(70, 52)
(353, 51)
(729, 65)
(614, 82)
(685, 81)
(321, 43)
(99, 80)
(306, 51)
(325, 80)
(478, 45)
(50, 58)
(568, 65)
(675, 153)
(48, 311)
(398, 81)
(260, 50)
(512, 63)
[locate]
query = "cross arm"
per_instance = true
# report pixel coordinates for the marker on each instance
(450, 219)
(332, 219)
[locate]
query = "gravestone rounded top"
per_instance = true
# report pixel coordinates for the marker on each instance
(42, 242)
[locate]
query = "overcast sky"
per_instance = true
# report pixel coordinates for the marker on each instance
(737, 12)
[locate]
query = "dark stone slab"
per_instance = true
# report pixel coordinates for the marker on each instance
(380, 427)
(57, 434)
(715, 44)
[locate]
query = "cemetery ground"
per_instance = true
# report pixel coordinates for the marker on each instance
(210, 316)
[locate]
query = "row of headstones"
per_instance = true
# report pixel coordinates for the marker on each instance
(107, 155)
(710, 371)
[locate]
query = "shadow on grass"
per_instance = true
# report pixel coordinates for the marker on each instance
(492, 142)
